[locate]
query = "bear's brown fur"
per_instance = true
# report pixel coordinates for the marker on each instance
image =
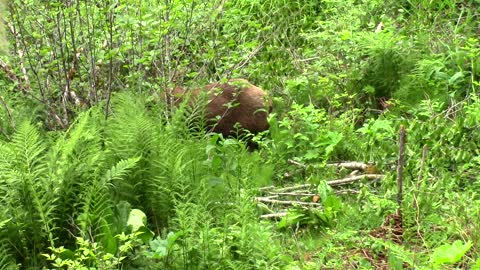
(236, 101)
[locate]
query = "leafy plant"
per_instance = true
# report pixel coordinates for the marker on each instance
(449, 253)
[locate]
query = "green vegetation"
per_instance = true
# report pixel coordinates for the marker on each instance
(97, 171)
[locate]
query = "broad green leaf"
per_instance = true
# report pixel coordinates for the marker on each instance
(450, 253)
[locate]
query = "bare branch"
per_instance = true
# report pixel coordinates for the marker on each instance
(294, 187)
(352, 179)
(352, 165)
(301, 193)
(274, 215)
(268, 200)
(296, 163)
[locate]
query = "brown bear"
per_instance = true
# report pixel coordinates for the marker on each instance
(236, 101)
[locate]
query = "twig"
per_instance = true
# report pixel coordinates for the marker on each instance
(352, 165)
(267, 200)
(292, 193)
(266, 188)
(293, 162)
(346, 191)
(270, 197)
(294, 187)
(352, 179)
(274, 215)
(354, 172)
(401, 160)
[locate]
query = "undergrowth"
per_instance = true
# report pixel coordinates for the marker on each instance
(99, 171)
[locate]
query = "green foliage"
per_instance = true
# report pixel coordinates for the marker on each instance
(96, 168)
(449, 253)
(29, 197)
(318, 218)
(304, 134)
(91, 255)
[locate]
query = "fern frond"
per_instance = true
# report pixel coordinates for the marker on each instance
(130, 132)
(6, 158)
(98, 204)
(30, 197)
(174, 176)
(118, 171)
(6, 260)
(28, 148)
(75, 159)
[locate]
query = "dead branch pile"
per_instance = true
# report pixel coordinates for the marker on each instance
(277, 200)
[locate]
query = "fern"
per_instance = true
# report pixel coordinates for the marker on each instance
(116, 175)
(131, 131)
(31, 197)
(171, 179)
(6, 260)
(98, 204)
(119, 171)
(75, 158)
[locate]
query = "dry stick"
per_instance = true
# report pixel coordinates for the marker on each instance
(274, 196)
(352, 179)
(346, 191)
(293, 188)
(293, 162)
(266, 188)
(89, 53)
(306, 194)
(300, 193)
(352, 165)
(274, 215)
(354, 172)
(336, 182)
(268, 200)
(401, 161)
